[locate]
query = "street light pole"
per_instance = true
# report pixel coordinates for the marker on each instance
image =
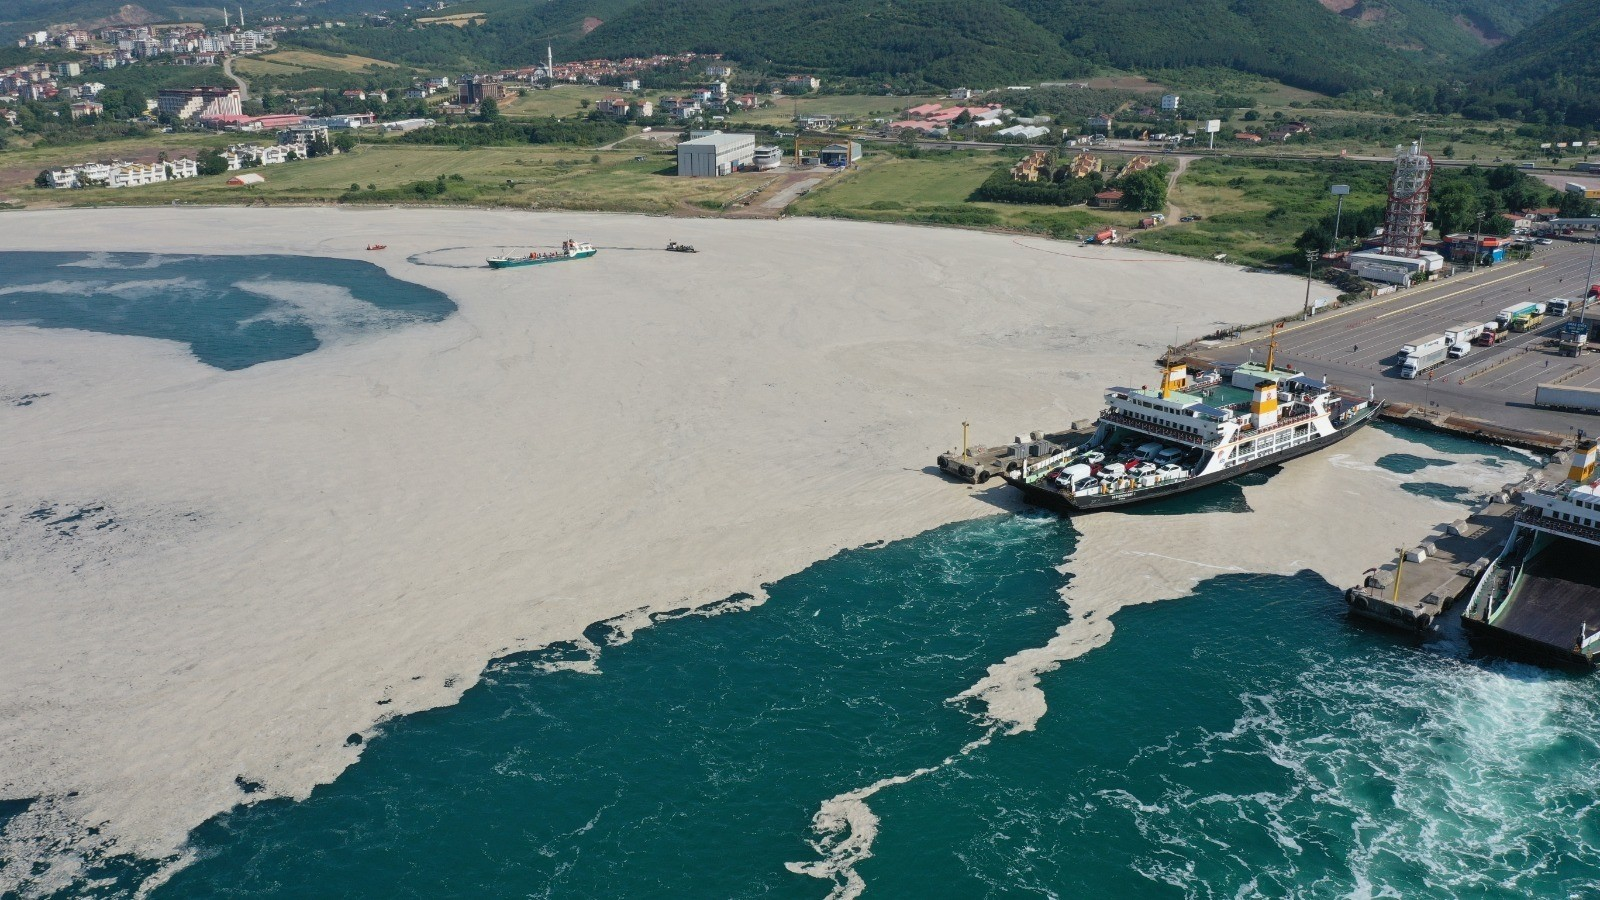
(1339, 190)
(1588, 281)
(1311, 257)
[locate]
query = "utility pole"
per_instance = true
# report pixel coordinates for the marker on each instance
(1311, 258)
(1477, 240)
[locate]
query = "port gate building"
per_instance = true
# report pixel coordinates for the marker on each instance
(715, 154)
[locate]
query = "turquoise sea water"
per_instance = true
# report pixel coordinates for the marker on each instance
(232, 311)
(1245, 741)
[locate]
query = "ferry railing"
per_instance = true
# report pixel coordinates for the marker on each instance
(1532, 516)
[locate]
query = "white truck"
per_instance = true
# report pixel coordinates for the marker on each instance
(1460, 339)
(1423, 355)
(1560, 396)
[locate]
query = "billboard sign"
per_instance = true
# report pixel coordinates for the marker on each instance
(1213, 126)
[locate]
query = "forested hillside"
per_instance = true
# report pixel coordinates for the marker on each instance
(1547, 74)
(942, 42)
(1447, 29)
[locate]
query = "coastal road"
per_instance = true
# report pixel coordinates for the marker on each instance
(1360, 346)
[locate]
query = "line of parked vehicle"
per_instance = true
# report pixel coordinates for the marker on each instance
(1152, 460)
(1519, 318)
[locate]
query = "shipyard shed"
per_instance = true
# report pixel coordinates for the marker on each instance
(715, 154)
(840, 155)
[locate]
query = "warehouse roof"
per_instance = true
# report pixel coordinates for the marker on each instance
(721, 141)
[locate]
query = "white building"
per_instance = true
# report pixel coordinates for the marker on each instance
(1169, 102)
(404, 125)
(715, 154)
(202, 102)
(1026, 132)
(1375, 266)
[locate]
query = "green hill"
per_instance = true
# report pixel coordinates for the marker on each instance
(1548, 74)
(941, 42)
(1448, 29)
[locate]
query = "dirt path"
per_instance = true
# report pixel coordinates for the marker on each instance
(244, 87)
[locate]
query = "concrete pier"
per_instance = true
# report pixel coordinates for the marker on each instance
(1436, 571)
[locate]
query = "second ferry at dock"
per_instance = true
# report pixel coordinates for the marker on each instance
(1152, 443)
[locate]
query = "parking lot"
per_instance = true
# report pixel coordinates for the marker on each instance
(1359, 347)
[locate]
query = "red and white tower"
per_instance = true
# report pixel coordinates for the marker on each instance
(1407, 216)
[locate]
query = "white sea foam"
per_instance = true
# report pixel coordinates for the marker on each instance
(846, 827)
(120, 289)
(101, 260)
(332, 313)
(575, 442)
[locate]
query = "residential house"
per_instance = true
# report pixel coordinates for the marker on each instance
(1247, 137)
(1084, 165)
(1033, 167)
(801, 84)
(1137, 164)
(1106, 199)
(1100, 124)
(84, 108)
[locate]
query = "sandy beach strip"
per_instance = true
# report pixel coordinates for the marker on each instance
(311, 546)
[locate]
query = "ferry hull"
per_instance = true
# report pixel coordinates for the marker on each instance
(1052, 499)
(518, 261)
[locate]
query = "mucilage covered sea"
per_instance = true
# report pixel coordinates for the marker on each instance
(1246, 740)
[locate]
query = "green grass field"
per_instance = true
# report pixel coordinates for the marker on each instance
(1254, 211)
(531, 177)
(933, 189)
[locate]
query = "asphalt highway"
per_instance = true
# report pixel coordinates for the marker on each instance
(1359, 348)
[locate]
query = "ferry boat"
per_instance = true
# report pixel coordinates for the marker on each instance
(1152, 443)
(1538, 598)
(569, 250)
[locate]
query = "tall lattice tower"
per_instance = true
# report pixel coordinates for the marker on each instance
(1407, 216)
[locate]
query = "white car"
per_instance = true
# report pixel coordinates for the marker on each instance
(1545, 242)
(1143, 469)
(1171, 469)
(1094, 457)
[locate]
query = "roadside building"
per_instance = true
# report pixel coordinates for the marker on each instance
(715, 154)
(1247, 137)
(1384, 267)
(1100, 124)
(1024, 132)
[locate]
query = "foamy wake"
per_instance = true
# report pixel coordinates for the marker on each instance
(846, 828)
